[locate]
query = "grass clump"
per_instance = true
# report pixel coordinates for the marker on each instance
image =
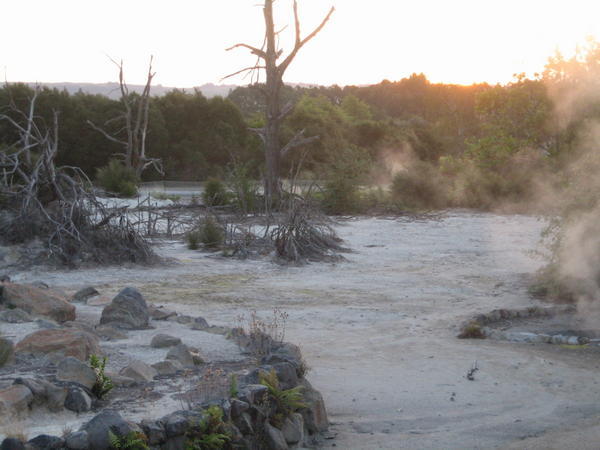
(287, 401)
(103, 383)
(117, 179)
(472, 331)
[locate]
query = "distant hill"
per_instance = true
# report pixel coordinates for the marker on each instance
(111, 90)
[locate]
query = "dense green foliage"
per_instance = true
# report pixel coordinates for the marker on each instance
(117, 179)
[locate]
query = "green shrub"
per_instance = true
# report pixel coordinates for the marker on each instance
(164, 196)
(211, 233)
(103, 383)
(341, 196)
(117, 179)
(245, 190)
(215, 193)
(193, 239)
(210, 434)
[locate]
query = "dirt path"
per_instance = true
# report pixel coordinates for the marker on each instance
(378, 330)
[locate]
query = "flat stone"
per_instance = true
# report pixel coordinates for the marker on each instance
(183, 319)
(72, 369)
(182, 354)
(127, 310)
(63, 342)
(16, 315)
(164, 340)
(84, 294)
(160, 313)
(253, 393)
(110, 333)
(199, 323)
(37, 301)
(120, 380)
(168, 367)
(100, 300)
(46, 324)
(139, 371)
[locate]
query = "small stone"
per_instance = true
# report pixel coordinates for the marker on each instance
(16, 315)
(238, 407)
(78, 400)
(120, 380)
(99, 426)
(110, 333)
(15, 400)
(139, 371)
(154, 431)
(199, 323)
(46, 442)
(77, 440)
(175, 425)
(100, 300)
(72, 369)
(184, 319)
(253, 393)
(45, 393)
(127, 310)
(164, 340)
(160, 313)
(47, 324)
(182, 354)
(84, 294)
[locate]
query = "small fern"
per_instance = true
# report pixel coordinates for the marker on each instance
(210, 434)
(103, 383)
(132, 441)
(287, 401)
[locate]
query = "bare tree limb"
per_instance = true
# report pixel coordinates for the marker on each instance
(297, 141)
(255, 51)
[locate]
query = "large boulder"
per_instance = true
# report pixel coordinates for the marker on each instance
(97, 429)
(139, 371)
(127, 310)
(45, 393)
(315, 414)
(60, 342)
(15, 315)
(78, 400)
(72, 369)
(181, 353)
(33, 300)
(14, 401)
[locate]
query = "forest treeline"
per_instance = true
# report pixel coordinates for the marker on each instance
(435, 144)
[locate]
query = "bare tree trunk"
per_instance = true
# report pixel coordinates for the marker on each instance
(275, 113)
(135, 116)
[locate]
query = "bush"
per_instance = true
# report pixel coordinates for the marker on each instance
(117, 179)
(419, 187)
(215, 193)
(245, 190)
(193, 239)
(210, 233)
(103, 383)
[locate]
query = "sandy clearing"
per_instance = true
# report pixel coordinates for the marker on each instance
(378, 329)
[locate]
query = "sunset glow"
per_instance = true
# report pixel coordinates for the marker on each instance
(453, 42)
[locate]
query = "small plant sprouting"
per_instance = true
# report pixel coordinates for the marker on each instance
(103, 383)
(233, 386)
(132, 441)
(287, 401)
(210, 434)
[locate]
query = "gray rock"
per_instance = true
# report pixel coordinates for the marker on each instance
(139, 371)
(7, 351)
(164, 340)
(84, 294)
(40, 302)
(120, 380)
(78, 400)
(46, 442)
(169, 367)
(45, 393)
(110, 333)
(175, 425)
(184, 319)
(72, 369)
(286, 374)
(46, 324)
(160, 313)
(4, 278)
(99, 426)
(182, 354)
(16, 315)
(154, 431)
(15, 400)
(238, 407)
(127, 310)
(78, 440)
(199, 323)
(253, 393)
(275, 439)
(315, 414)
(12, 444)
(293, 429)
(244, 424)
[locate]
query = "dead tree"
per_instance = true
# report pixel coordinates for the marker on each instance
(267, 60)
(134, 120)
(56, 205)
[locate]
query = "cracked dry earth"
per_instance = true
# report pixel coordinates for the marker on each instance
(379, 331)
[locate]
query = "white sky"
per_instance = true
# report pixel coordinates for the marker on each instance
(457, 41)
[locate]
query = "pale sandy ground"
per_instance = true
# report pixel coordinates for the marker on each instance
(378, 332)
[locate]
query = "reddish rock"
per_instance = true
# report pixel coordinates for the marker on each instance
(64, 342)
(14, 401)
(41, 302)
